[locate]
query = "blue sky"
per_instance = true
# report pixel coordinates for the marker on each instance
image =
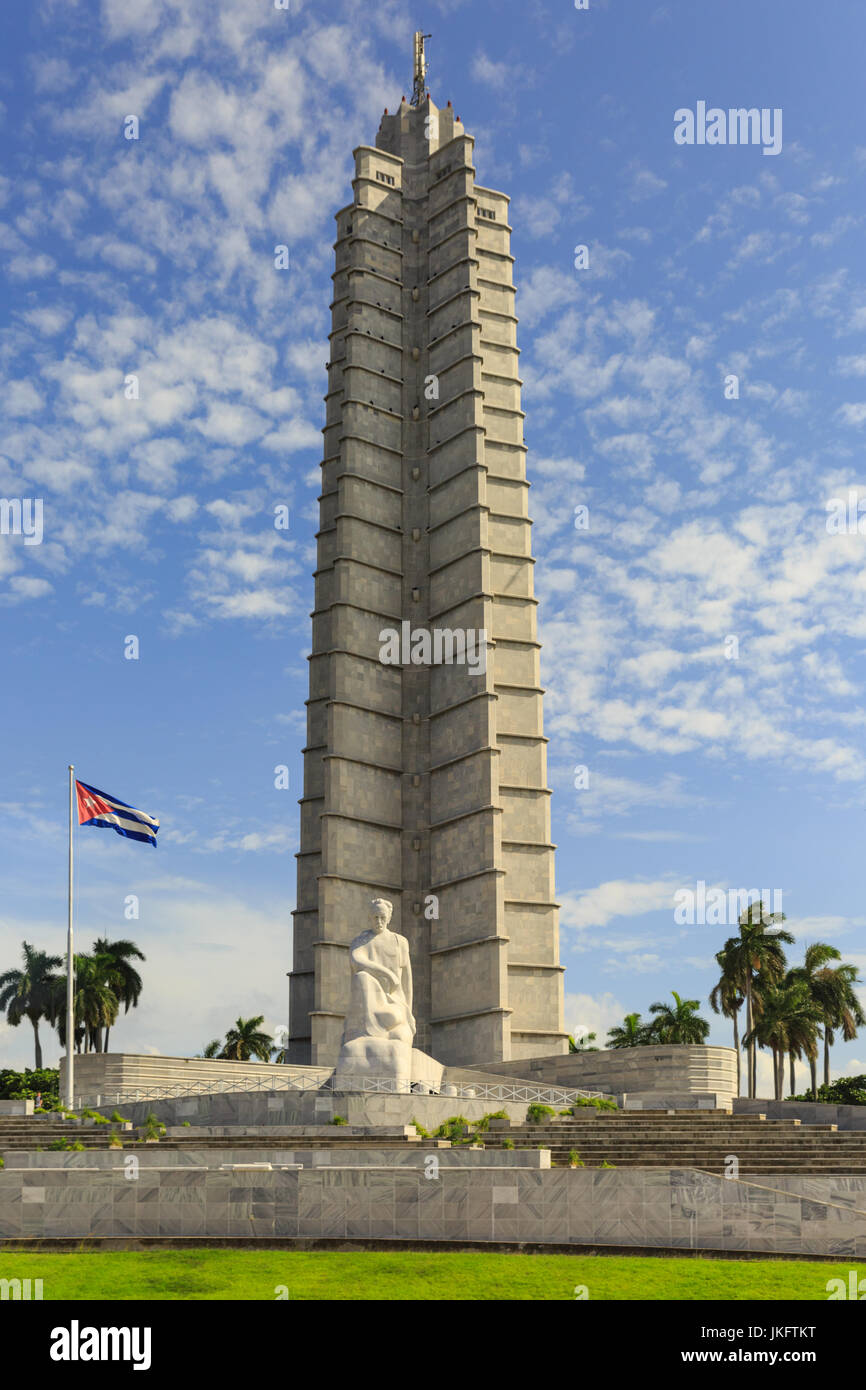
(708, 516)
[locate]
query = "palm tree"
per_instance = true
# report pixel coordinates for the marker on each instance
(121, 975)
(787, 1022)
(804, 1034)
(632, 1033)
(211, 1049)
(245, 1041)
(95, 1004)
(756, 952)
(27, 993)
(840, 1007)
(582, 1043)
(726, 998)
(816, 957)
(681, 1024)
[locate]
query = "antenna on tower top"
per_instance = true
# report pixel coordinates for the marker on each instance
(419, 80)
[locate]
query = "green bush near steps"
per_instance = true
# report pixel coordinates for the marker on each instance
(536, 1114)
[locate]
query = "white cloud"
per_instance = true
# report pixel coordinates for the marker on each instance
(494, 74)
(49, 321)
(34, 265)
(22, 398)
(22, 587)
(645, 184)
(595, 907)
(585, 1013)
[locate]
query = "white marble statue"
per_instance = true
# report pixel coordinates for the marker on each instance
(380, 1026)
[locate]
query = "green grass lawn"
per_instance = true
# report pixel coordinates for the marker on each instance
(408, 1275)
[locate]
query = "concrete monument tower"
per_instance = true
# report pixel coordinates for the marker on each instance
(425, 763)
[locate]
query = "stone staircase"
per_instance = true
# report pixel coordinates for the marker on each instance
(693, 1139)
(624, 1139)
(40, 1131)
(287, 1138)
(22, 1134)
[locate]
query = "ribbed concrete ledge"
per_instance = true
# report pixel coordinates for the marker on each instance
(106, 1073)
(676, 1069)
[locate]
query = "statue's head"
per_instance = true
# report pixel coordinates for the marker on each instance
(382, 911)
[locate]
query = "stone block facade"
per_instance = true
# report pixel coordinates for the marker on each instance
(426, 783)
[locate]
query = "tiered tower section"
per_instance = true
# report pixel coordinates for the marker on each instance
(426, 784)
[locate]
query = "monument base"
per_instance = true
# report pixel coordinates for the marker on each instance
(427, 1073)
(424, 1072)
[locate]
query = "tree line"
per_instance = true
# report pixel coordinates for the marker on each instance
(790, 1009)
(104, 982)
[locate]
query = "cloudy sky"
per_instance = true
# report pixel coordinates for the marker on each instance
(700, 387)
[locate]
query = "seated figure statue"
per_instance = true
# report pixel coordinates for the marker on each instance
(379, 1028)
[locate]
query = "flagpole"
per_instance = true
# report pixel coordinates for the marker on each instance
(70, 1026)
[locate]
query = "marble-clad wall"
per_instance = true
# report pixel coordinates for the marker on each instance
(669, 1208)
(306, 1156)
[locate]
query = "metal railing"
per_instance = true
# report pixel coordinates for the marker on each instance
(375, 1085)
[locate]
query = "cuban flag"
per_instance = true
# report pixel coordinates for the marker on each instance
(99, 809)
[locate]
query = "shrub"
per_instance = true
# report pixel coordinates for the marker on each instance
(537, 1114)
(339, 1120)
(575, 1160)
(605, 1164)
(508, 1143)
(118, 1119)
(153, 1128)
(64, 1146)
(452, 1129)
(483, 1125)
(424, 1133)
(115, 1142)
(848, 1090)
